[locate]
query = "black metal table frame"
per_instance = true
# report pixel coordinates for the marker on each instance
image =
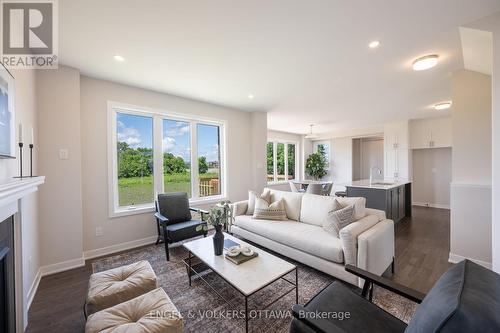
(281, 277)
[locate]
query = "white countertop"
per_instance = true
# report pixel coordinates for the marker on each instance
(376, 183)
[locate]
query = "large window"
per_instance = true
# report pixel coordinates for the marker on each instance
(134, 146)
(152, 152)
(281, 161)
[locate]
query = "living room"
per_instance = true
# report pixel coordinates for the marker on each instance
(337, 160)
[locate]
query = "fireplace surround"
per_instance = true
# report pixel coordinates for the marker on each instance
(13, 195)
(7, 281)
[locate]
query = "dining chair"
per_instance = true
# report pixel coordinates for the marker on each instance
(293, 187)
(315, 189)
(327, 188)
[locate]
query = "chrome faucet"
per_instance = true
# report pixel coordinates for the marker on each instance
(371, 172)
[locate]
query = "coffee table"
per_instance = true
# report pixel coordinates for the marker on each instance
(248, 277)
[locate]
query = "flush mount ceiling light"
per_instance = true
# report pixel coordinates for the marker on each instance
(442, 106)
(425, 62)
(250, 96)
(119, 58)
(311, 135)
(374, 44)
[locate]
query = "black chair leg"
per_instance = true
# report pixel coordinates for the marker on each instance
(165, 240)
(166, 251)
(370, 294)
(392, 266)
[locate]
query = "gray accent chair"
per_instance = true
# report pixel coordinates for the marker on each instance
(466, 298)
(315, 189)
(174, 220)
(327, 189)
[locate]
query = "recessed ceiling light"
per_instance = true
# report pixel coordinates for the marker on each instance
(118, 57)
(250, 96)
(374, 44)
(426, 62)
(442, 106)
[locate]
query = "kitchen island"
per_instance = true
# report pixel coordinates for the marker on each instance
(393, 197)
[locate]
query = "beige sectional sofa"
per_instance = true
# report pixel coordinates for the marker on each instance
(367, 243)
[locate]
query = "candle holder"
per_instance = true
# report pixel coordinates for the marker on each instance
(31, 159)
(20, 161)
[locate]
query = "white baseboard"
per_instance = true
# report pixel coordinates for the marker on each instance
(455, 258)
(34, 287)
(61, 266)
(427, 204)
(90, 254)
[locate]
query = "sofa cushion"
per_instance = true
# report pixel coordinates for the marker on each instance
(466, 298)
(301, 236)
(292, 201)
(315, 208)
(265, 211)
(252, 198)
(359, 205)
(339, 219)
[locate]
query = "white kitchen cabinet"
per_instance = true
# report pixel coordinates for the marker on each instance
(430, 133)
(396, 150)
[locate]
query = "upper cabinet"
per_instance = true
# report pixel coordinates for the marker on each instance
(396, 135)
(430, 133)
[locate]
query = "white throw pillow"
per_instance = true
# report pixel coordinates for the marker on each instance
(265, 211)
(252, 198)
(339, 219)
(359, 204)
(315, 209)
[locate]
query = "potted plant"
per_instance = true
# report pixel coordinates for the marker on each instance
(316, 165)
(218, 217)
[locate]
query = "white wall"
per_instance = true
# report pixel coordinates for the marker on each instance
(431, 177)
(259, 152)
(136, 229)
(496, 144)
(61, 196)
(366, 154)
(470, 235)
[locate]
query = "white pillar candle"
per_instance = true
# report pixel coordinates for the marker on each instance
(20, 132)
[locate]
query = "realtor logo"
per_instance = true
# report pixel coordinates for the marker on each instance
(29, 34)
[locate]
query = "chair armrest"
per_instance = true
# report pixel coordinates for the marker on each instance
(385, 283)
(161, 218)
(317, 324)
(198, 210)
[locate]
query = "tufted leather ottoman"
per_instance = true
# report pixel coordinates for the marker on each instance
(153, 312)
(118, 285)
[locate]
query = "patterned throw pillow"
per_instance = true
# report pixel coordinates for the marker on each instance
(339, 219)
(252, 198)
(265, 211)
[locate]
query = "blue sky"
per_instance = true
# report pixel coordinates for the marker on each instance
(137, 132)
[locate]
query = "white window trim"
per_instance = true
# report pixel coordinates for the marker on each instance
(275, 160)
(114, 210)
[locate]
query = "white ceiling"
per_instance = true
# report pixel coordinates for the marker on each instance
(477, 50)
(304, 61)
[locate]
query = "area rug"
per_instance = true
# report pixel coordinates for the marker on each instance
(204, 311)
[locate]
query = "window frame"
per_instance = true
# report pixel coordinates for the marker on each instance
(158, 116)
(275, 143)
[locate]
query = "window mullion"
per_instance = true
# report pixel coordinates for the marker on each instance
(285, 152)
(195, 189)
(158, 155)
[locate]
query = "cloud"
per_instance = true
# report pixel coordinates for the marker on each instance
(168, 144)
(179, 129)
(129, 135)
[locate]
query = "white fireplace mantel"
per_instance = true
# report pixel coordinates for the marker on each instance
(12, 192)
(16, 188)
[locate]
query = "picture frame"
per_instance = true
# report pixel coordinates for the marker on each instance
(7, 114)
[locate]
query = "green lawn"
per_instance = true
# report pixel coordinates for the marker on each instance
(139, 190)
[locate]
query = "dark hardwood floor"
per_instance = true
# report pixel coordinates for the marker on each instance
(422, 247)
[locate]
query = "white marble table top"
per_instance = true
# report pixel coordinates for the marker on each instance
(247, 277)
